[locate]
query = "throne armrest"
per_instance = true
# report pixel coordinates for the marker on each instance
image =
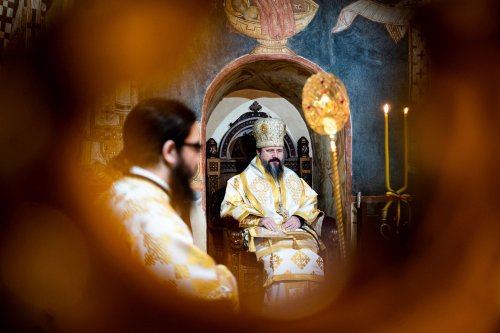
(329, 232)
(228, 222)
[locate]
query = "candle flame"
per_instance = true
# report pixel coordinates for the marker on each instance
(386, 108)
(406, 110)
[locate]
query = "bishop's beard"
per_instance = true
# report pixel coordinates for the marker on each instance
(274, 170)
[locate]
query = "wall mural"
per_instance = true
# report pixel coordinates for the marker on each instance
(419, 65)
(270, 22)
(350, 55)
(397, 22)
(395, 18)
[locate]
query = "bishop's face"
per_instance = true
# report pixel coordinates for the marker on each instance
(272, 160)
(271, 155)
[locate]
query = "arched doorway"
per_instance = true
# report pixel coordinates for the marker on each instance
(285, 76)
(276, 76)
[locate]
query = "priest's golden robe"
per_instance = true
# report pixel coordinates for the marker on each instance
(161, 242)
(287, 259)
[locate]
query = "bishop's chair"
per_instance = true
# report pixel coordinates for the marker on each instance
(228, 158)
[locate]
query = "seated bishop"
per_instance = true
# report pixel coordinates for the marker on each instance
(279, 210)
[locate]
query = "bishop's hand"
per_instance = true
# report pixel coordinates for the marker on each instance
(292, 223)
(268, 223)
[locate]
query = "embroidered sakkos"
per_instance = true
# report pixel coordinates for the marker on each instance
(254, 194)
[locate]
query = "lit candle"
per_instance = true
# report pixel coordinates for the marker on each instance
(386, 118)
(406, 151)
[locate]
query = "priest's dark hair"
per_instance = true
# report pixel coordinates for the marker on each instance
(148, 126)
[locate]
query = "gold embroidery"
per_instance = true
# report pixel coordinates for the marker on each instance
(250, 221)
(260, 188)
(300, 259)
(148, 202)
(253, 201)
(133, 207)
(240, 217)
(181, 272)
(264, 129)
(199, 258)
(236, 183)
(205, 288)
(155, 249)
(211, 289)
(234, 199)
(181, 228)
(283, 212)
(116, 197)
(275, 261)
(170, 284)
(285, 244)
(127, 215)
(265, 251)
(319, 261)
(291, 277)
(295, 187)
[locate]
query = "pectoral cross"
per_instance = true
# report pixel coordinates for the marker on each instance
(283, 212)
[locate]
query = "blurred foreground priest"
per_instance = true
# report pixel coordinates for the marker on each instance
(153, 203)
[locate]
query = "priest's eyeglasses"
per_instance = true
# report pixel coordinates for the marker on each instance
(196, 146)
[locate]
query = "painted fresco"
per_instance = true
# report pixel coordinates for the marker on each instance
(395, 18)
(364, 55)
(270, 22)
(373, 67)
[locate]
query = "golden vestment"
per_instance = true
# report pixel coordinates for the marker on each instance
(292, 256)
(160, 240)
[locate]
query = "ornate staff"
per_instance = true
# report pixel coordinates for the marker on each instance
(326, 108)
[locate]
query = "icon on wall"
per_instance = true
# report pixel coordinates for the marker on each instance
(270, 22)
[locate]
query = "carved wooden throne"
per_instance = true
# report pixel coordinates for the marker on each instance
(225, 237)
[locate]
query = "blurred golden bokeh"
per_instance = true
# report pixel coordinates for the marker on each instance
(57, 277)
(44, 257)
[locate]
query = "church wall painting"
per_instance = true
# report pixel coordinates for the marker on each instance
(373, 66)
(374, 57)
(270, 22)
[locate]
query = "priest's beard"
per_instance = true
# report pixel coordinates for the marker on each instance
(275, 170)
(180, 186)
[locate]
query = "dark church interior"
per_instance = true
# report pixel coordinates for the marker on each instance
(417, 253)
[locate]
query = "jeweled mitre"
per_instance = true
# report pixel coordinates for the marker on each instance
(269, 132)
